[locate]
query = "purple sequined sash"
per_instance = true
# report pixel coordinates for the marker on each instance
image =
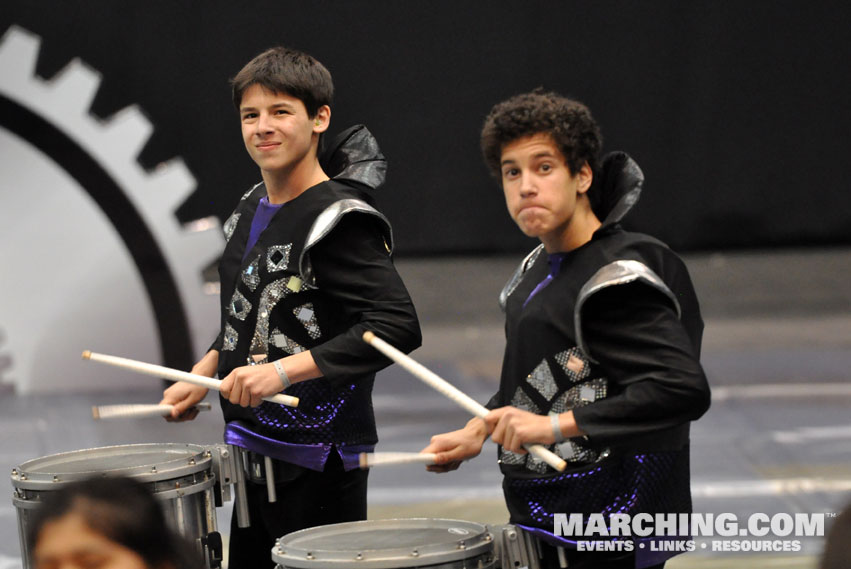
(312, 456)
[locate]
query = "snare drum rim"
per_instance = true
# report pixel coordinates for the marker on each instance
(197, 459)
(479, 543)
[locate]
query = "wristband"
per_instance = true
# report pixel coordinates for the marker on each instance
(282, 375)
(559, 438)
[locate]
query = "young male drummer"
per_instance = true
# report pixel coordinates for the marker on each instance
(306, 270)
(603, 337)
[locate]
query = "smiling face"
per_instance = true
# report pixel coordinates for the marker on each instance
(278, 133)
(543, 197)
(69, 543)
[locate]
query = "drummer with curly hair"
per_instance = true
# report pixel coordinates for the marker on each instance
(603, 334)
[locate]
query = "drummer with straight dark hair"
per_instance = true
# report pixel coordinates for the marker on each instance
(603, 335)
(306, 270)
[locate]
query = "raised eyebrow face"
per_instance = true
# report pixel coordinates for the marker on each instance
(544, 154)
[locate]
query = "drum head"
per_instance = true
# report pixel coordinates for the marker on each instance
(382, 544)
(146, 462)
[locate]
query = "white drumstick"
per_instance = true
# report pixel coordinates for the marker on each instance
(137, 410)
(453, 393)
(370, 459)
(176, 375)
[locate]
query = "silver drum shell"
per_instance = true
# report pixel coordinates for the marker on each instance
(179, 475)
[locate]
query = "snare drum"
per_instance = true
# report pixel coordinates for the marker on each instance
(388, 544)
(179, 476)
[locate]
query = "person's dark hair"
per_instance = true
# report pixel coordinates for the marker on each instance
(123, 511)
(568, 122)
(837, 547)
(287, 71)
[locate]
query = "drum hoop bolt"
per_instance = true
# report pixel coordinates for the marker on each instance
(415, 553)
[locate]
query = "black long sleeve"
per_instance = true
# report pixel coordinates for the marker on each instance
(353, 267)
(655, 378)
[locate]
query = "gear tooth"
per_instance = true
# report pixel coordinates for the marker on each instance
(115, 143)
(76, 82)
(175, 178)
(126, 132)
(18, 56)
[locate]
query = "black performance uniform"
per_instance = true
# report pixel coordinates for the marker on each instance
(614, 336)
(319, 276)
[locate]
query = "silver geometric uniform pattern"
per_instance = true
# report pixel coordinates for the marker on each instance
(269, 298)
(577, 368)
(251, 274)
(580, 395)
(278, 257)
(577, 396)
(307, 316)
(524, 402)
(542, 380)
(231, 338)
(574, 363)
(230, 225)
(284, 342)
(239, 306)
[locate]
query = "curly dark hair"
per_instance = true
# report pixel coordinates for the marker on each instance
(288, 71)
(568, 122)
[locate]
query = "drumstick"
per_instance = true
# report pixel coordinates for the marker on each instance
(138, 410)
(176, 375)
(453, 393)
(370, 459)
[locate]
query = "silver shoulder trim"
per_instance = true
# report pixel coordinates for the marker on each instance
(616, 273)
(249, 192)
(518, 276)
(326, 221)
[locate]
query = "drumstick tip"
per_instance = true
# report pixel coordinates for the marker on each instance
(87, 354)
(368, 337)
(95, 413)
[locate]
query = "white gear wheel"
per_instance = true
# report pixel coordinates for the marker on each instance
(64, 101)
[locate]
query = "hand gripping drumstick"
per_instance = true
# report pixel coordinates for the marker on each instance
(138, 410)
(453, 393)
(176, 375)
(370, 459)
